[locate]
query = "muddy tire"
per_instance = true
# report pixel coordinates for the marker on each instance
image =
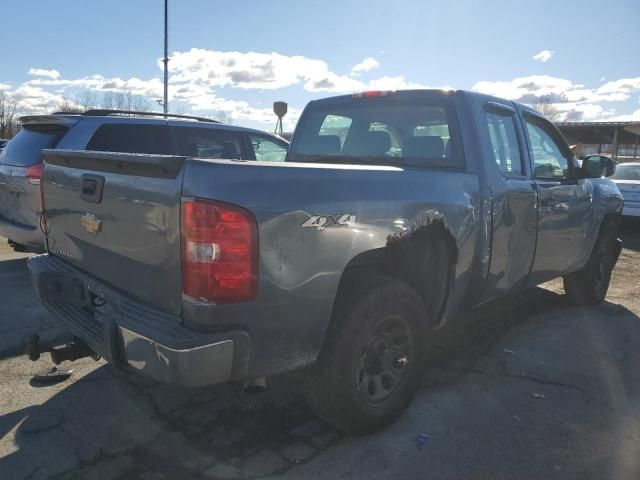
(372, 359)
(589, 285)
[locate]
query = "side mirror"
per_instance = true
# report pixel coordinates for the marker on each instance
(596, 166)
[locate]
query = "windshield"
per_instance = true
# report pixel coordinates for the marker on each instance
(385, 130)
(627, 172)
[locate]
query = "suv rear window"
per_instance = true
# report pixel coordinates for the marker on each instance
(26, 148)
(418, 131)
(132, 138)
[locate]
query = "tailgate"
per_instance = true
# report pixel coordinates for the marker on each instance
(116, 216)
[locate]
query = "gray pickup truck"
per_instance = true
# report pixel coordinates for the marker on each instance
(392, 212)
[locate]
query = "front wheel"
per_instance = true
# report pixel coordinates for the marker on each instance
(371, 362)
(589, 285)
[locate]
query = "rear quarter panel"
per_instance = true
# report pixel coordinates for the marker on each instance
(301, 267)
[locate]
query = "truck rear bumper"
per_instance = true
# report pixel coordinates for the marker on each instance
(130, 334)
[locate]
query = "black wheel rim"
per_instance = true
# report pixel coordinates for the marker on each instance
(384, 361)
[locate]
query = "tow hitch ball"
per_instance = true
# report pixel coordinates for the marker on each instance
(71, 351)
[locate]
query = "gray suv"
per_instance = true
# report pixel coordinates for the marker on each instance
(112, 131)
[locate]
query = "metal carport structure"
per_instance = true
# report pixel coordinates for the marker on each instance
(603, 133)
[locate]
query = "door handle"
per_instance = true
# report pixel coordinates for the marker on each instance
(548, 202)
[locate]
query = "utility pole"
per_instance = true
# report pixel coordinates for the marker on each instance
(165, 102)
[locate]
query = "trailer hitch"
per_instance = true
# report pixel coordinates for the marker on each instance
(71, 351)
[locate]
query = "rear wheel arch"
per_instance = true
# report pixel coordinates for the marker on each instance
(425, 260)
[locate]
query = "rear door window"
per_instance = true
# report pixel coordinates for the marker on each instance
(209, 143)
(504, 143)
(131, 138)
(26, 148)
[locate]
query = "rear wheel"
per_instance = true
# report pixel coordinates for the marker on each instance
(589, 285)
(371, 363)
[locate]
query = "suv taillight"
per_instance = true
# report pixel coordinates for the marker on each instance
(219, 252)
(34, 173)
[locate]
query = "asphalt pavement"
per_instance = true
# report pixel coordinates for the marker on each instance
(530, 387)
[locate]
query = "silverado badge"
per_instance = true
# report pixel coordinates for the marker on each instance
(90, 223)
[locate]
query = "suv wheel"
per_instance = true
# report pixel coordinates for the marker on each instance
(371, 362)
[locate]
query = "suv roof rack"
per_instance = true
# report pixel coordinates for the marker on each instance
(107, 112)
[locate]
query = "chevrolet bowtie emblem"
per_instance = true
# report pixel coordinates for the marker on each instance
(90, 223)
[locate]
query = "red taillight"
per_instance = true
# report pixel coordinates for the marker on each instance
(219, 252)
(34, 174)
(373, 93)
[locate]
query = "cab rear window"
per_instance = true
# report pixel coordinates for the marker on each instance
(419, 131)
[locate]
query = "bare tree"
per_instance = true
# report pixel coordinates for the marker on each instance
(224, 117)
(8, 121)
(85, 100)
(547, 107)
(125, 100)
(107, 100)
(67, 105)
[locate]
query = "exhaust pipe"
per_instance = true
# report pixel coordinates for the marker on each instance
(255, 385)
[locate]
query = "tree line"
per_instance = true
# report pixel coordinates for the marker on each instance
(79, 102)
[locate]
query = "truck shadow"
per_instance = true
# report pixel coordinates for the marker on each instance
(14, 265)
(111, 421)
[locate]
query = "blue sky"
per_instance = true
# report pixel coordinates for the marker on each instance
(239, 56)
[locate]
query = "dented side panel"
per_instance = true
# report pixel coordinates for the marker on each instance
(313, 219)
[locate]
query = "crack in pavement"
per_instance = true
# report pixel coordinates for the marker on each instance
(541, 381)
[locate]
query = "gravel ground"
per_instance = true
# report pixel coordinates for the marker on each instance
(530, 387)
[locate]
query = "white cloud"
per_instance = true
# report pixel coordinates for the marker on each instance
(200, 80)
(330, 82)
(543, 56)
(624, 86)
(152, 87)
(365, 65)
(525, 88)
(271, 71)
(198, 76)
(248, 70)
(631, 117)
(574, 100)
(43, 72)
(35, 99)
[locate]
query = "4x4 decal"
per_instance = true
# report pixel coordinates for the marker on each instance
(320, 222)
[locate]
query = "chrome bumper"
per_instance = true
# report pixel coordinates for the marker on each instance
(201, 365)
(130, 334)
